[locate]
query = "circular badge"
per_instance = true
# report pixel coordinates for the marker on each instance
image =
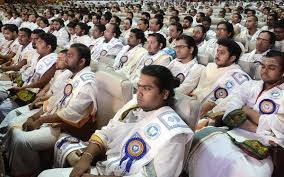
(68, 89)
(267, 106)
(123, 59)
(135, 148)
(181, 77)
(220, 93)
(148, 62)
(152, 131)
(103, 53)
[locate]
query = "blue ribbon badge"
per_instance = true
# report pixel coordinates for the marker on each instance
(134, 149)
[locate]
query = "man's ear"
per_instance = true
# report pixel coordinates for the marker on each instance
(166, 94)
(232, 58)
(82, 62)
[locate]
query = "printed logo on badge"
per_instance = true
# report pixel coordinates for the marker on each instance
(103, 53)
(229, 84)
(148, 62)
(220, 93)
(267, 106)
(68, 89)
(181, 77)
(152, 131)
(275, 94)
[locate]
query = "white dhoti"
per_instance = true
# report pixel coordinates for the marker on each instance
(63, 172)
(25, 147)
(16, 118)
(217, 156)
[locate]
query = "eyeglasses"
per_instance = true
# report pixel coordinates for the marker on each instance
(180, 46)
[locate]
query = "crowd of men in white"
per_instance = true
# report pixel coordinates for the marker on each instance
(227, 56)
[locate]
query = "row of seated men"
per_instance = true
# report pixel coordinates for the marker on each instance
(50, 101)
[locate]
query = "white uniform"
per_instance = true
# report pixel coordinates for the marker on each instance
(76, 107)
(202, 47)
(279, 45)
(151, 137)
(188, 74)
(126, 58)
(269, 103)
(62, 37)
(19, 115)
(160, 58)
(124, 36)
(32, 26)
(85, 39)
(111, 48)
(9, 46)
(253, 57)
(212, 46)
(251, 38)
(38, 70)
(217, 83)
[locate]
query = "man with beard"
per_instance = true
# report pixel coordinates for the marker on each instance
(199, 35)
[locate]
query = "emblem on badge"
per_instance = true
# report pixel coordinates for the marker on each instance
(267, 106)
(220, 93)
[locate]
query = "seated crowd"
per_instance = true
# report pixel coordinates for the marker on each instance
(225, 59)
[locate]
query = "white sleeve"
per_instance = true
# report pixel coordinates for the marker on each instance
(238, 98)
(191, 81)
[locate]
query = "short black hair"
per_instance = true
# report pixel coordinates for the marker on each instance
(159, 21)
(272, 37)
(203, 29)
(71, 24)
(27, 31)
(176, 18)
(139, 35)
(279, 24)
(165, 80)
(207, 19)
(253, 11)
(178, 26)
(117, 19)
(83, 51)
(44, 20)
(146, 14)
(101, 27)
(107, 16)
(189, 18)
(11, 27)
(64, 51)
(239, 16)
(190, 42)
(233, 48)
(277, 54)
(49, 39)
(37, 31)
(116, 30)
(229, 27)
(160, 38)
(60, 21)
(84, 27)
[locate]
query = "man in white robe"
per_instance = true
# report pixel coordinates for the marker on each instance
(110, 46)
(46, 100)
(262, 102)
(220, 78)
(155, 56)
(23, 53)
(82, 35)
(185, 67)
(131, 54)
(9, 47)
(42, 71)
(264, 42)
(73, 113)
(279, 32)
(139, 140)
(199, 35)
(250, 33)
(60, 32)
